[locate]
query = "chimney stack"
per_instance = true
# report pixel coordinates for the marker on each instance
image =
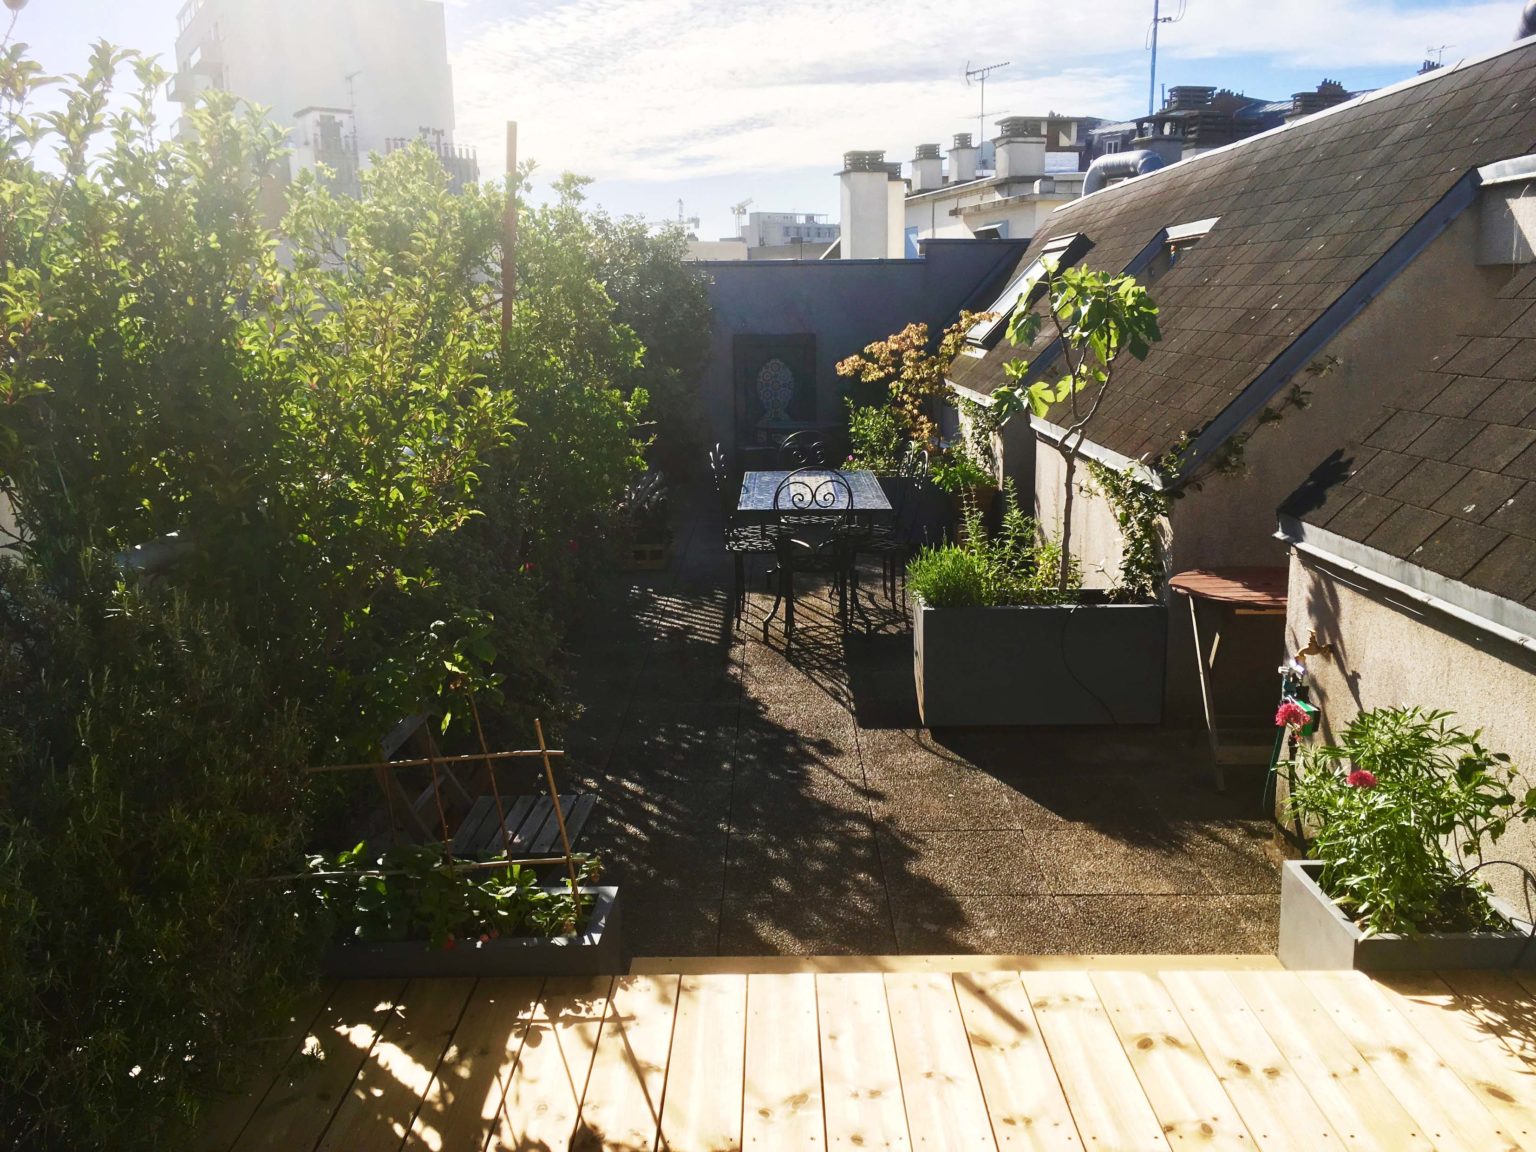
(1021, 148)
(962, 159)
(872, 192)
(927, 169)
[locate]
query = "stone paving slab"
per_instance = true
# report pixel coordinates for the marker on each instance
(763, 798)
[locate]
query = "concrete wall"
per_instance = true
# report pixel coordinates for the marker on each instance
(293, 54)
(845, 304)
(865, 202)
(1388, 652)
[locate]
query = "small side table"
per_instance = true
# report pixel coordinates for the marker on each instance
(1240, 592)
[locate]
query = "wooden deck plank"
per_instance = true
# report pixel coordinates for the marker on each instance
(1024, 1099)
(1184, 1092)
(381, 1107)
(1361, 1111)
(781, 1106)
(861, 1085)
(544, 1094)
(314, 1082)
(1277, 1108)
(1108, 1105)
(461, 1105)
(621, 1109)
(228, 1114)
(1447, 1110)
(701, 1110)
(1504, 1002)
(1504, 1083)
(945, 1107)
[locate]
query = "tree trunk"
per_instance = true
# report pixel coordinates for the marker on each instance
(1069, 458)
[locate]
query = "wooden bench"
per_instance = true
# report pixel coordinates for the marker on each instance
(530, 822)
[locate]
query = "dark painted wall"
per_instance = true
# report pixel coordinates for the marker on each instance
(844, 304)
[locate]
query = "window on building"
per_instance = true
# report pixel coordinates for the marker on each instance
(913, 251)
(1065, 250)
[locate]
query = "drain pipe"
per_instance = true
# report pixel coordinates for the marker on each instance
(1120, 164)
(1527, 21)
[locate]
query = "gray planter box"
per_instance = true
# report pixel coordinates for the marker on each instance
(595, 951)
(1085, 663)
(1315, 934)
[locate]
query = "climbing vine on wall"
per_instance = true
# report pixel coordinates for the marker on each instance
(1140, 510)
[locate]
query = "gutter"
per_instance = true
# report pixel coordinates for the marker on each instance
(1502, 619)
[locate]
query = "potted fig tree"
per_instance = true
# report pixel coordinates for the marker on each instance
(1397, 815)
(1061, 654)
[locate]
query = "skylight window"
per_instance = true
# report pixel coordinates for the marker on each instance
(1182, 237)
(1064, 250)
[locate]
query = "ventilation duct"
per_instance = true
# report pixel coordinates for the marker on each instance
(1118, 165)
(1527, 21)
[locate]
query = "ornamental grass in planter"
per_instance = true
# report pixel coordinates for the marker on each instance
(1399, 813)
(999, 638)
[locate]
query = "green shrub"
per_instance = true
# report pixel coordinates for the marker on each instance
(1016, 566)
(408, 894)
(148, 783)
(1395, 809)
(876, 441)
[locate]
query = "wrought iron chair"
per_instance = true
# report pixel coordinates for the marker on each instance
(895, 541)
(742, 539)
(804, 450)
(814, 518)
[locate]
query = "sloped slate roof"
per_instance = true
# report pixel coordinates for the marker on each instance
(1305, 211)
(1447, 479)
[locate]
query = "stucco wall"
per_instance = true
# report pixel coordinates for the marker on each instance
(845, 304)
(1390, 652)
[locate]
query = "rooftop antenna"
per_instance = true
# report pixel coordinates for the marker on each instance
(980, 74)
(1158, 18)
(351, 79)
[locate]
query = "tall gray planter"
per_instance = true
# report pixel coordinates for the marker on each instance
(1084, 663)
(1315, 934)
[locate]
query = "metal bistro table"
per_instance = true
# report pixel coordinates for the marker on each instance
(756, 504)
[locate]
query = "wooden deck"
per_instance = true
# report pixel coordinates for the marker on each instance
(1076, 1053)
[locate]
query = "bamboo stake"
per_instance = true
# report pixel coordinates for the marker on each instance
(565, 839)
(452, 866)
(490, 768)
(437, 793)
(423, 761)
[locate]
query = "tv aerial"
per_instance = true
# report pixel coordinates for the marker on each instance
(1157, 19)
(979, 75)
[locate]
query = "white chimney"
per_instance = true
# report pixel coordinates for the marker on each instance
(872, 193)
(927, 169)
(962, 159)
(1021, 149)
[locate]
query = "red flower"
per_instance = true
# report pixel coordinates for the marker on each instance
(1360, 778)
(1291, 715)
(449, 943)
(573, 546)
(528, 566)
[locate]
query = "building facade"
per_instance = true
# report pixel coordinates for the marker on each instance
(349, 78)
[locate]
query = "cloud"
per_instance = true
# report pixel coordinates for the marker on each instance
(664, 90)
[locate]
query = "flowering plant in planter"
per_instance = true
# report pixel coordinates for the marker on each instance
(1396, 809)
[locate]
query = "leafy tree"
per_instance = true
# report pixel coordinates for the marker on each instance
(1097, 317)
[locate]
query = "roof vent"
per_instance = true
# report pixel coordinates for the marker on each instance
(864, 162)
(927, 151)
(1527, 21)
(963, 140)
(1184, 96)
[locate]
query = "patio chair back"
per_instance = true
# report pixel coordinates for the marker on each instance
(804, 450)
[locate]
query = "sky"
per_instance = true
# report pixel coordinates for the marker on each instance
(713, 102)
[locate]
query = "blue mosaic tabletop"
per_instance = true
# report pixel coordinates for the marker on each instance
(757, 489)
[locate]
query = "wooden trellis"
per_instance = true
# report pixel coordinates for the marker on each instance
(442, 769)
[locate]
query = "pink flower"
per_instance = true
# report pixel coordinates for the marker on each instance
(1360, 778)
(1291, 715)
